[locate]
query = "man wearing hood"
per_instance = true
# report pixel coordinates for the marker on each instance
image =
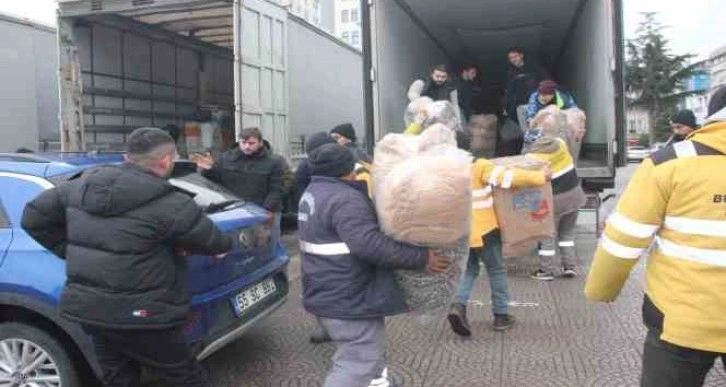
(119, 228)
(675, 202)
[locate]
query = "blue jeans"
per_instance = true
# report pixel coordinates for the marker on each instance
(491, 255)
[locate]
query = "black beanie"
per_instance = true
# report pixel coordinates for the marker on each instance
(316, 140)
(717, 102)
(686, 118)
(332, 160)
(346, 130)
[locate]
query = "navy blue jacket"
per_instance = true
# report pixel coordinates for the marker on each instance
(347, 262)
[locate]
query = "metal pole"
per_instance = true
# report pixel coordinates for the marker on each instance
(368, 75)
(237, 7)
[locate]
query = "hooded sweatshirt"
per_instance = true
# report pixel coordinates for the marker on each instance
(676, 201)
(118, 228)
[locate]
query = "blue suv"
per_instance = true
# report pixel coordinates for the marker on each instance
(38, 347)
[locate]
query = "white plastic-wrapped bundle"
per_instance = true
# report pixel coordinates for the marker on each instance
(442, 112)
(415, 107)
(422, 190)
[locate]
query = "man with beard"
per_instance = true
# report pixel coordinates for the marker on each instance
(437, 86)
(522, 80)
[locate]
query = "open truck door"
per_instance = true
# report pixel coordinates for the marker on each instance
(580, 42)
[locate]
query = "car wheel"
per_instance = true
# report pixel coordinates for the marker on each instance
(31, 357)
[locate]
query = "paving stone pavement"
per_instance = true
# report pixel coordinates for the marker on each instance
(560, 340)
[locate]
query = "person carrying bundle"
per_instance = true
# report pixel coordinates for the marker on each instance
(568, 199)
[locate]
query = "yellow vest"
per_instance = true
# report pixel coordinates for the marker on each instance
(363, 173)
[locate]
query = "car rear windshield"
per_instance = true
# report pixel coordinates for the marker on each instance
(206, 192)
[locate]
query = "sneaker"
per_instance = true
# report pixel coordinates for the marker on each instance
(320, 336)
(542, 275)
(502, 322)
(458, 321)
(569, 272)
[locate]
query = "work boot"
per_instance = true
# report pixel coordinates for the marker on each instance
(320, 336)
(457, 319)
(502, 322)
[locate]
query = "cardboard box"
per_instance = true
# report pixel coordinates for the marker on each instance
(525, 215)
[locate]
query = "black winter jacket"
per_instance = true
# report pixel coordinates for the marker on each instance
(119, 227)
(257, 178)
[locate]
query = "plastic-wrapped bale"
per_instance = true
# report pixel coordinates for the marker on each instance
(577, 121)
(483, 130)
(423, 197)
(415, 107)
(525, 215)
(442, 112)
(553, 123)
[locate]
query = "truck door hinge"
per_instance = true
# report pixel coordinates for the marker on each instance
(373, 74)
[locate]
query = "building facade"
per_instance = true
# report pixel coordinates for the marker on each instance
(717, 65)
(348, 22)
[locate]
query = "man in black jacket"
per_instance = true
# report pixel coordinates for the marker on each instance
(522, 80)
(119, 229)
(249, 171)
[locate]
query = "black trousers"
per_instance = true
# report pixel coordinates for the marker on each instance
(668, 365)
(122, 354)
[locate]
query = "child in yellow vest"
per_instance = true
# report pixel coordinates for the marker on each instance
(568, 199)
(485, 243)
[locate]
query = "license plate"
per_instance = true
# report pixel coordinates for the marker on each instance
(247, 298)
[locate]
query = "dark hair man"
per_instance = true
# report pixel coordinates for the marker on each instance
(119, 228)
(682, 124)
(522, 79)
(437, 86)
(249, 171)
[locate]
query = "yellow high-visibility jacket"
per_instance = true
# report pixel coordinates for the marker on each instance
(676, 199)
(363, 173)
(486, 175)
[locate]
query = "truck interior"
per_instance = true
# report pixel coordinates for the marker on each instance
(572, 39)
(160, 63)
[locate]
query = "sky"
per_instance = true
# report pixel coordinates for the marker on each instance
(692, 23)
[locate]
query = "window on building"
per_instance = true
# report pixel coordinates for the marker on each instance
(354, 16)
(345, 16)
(355, 38)
(345, 36)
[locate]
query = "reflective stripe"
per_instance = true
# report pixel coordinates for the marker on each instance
(567, 244)
(479, 193)
(482, 204)
(630, 227)
(685, 149)
(324, 249)
(564, 171)
(495, 175)
(45, 184)
(693, 254)
(508, 179)
(547, 253)
(619, 250)
(714, 228)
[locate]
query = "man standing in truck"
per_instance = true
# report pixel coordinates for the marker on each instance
(469, 91)
(522, 79)
(438, 86)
